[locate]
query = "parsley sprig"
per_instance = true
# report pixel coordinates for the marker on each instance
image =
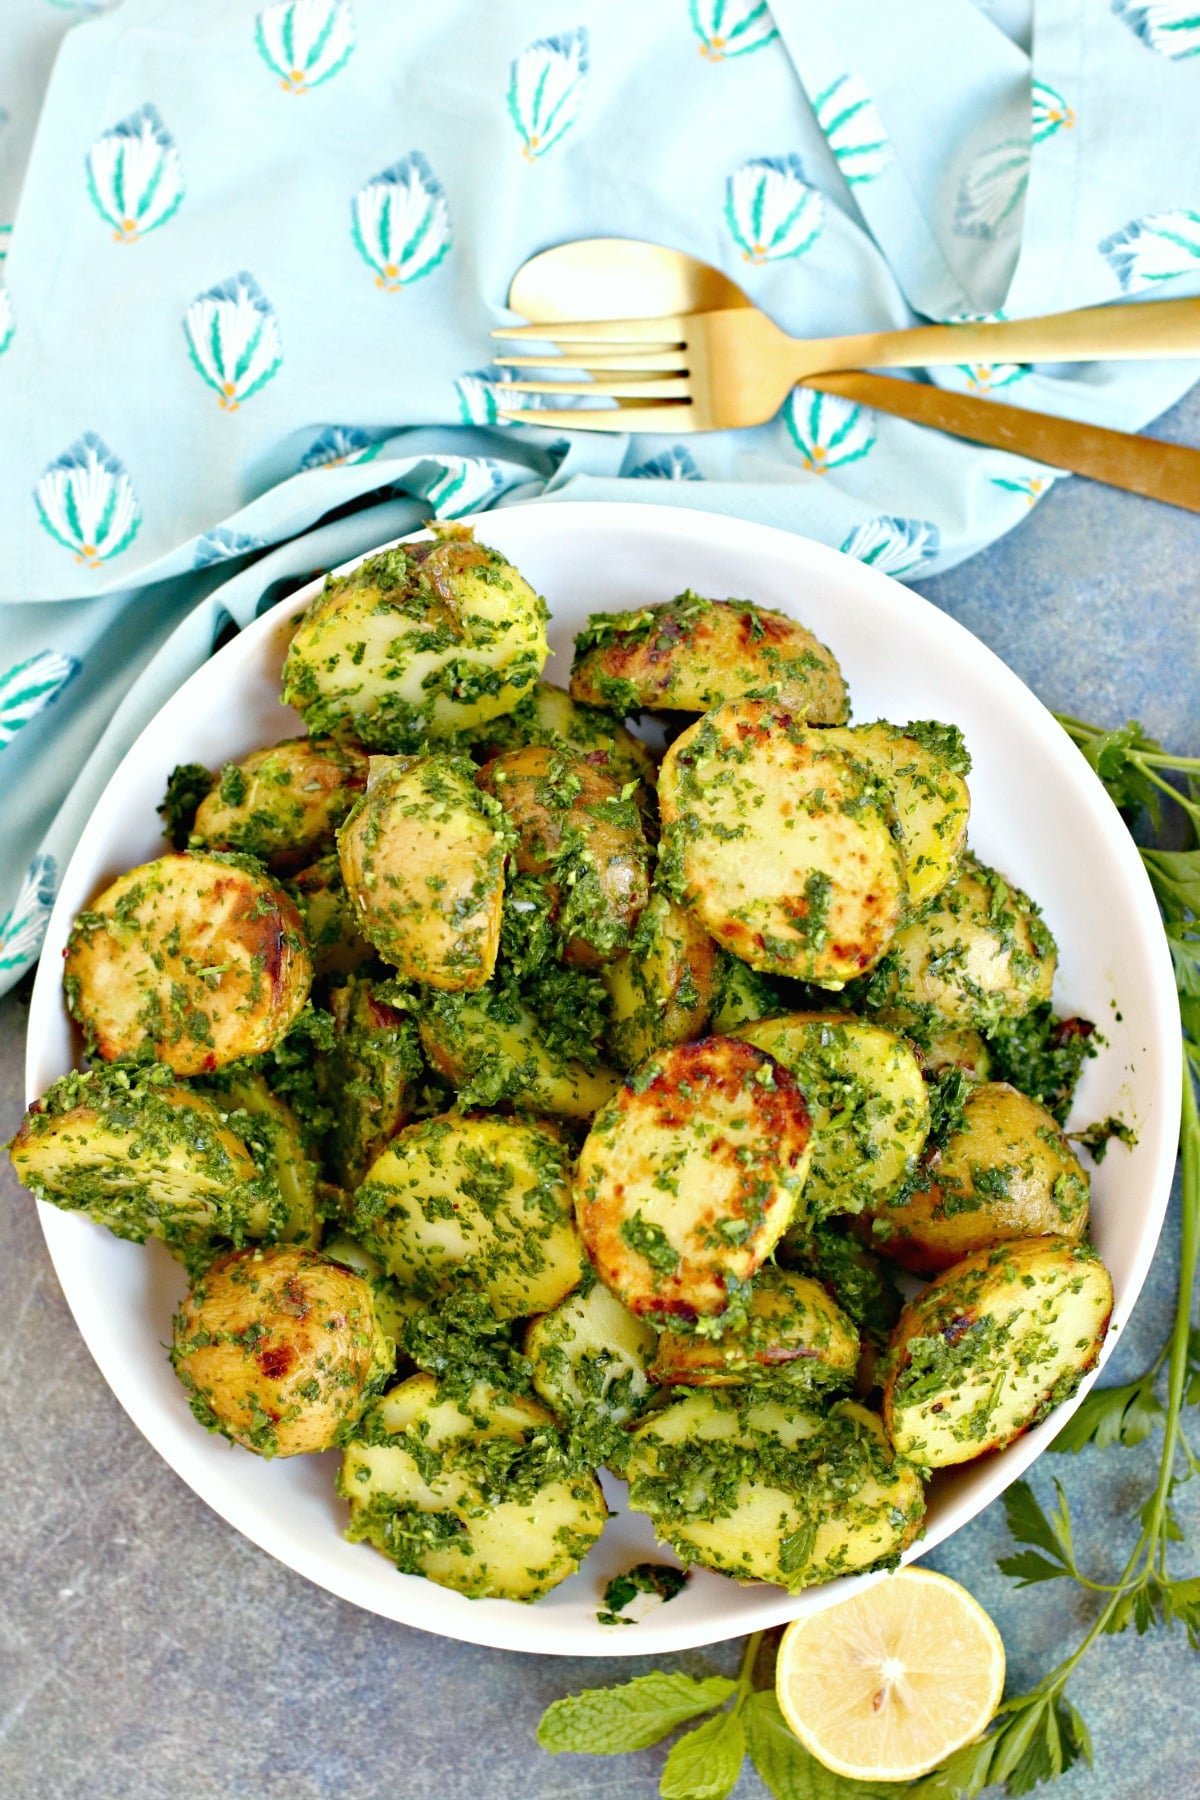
(1038, 1735)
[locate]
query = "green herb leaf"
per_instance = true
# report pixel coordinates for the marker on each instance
(706, 1762)
(1117, 1415)
(607, 1721)
(787, 1769)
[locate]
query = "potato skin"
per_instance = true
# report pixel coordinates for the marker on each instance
(993, 1345)
(418, 643)
(689, 1177)
(793, 1331)
(574, 830)
(692, 653)
(371, 1078)
(279, 1350)
(423, 862)
(923, 766)
(661, 988)
(199, 959)
(548, 715)
(493, 1050)
(337, 945)
(780, 843)
(1006, 1172)
(282, 803)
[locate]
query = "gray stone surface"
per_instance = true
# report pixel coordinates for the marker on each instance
(148, 1652)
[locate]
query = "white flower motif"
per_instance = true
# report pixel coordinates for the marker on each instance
(29, 687)
(1172, 27)
(233, 339)
(134, 176)
(400, 222)
(728, 28)
(896, 546)
(85, 500)
(305, 41)
(545, 89)
(771, 210)
(675, 464)
(24, 927)
(991, 192)
(853, 129)
(827, 430)
(1050, 112)
(1155, 248)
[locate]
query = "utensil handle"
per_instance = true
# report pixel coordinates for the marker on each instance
(1140, 465)
(1150, 328)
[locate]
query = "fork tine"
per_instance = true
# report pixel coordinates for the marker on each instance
(669, 361)
(669, 330)
(674, 416)
(662, 389)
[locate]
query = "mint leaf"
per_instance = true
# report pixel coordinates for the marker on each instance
(706, 1762)
(787, 1769)
(606, 1721)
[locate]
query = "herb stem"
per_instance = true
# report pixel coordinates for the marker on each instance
(749, 1658)
(1189, 1253)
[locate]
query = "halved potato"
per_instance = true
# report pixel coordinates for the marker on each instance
(781, 843)
(992, 1346)
(471, 1202)
(578, 828)
(338, 946)
(741, 995)
(793, 1329)
(979, 954)
(948, 1047)
(197, 959)
(393, 1306)
(771, 1489)
(690, 1176)
(371, 1078)
(420, 642)
(474, 1495)
(283, 803)
(548, 715)
(867, 1100)
(146, 1158)
(692, 653)
(923, 767)
(491, 1048)
(271, 1132)
(661, 988)
(589, 1360)
(861, 1282)
(1006, 1171)
(279, 1350)
(423, 862)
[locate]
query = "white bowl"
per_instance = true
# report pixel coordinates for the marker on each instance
(1037, 812)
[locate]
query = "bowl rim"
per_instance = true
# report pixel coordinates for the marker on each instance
(476, 1623)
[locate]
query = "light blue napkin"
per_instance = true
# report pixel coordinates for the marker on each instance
(255, 252)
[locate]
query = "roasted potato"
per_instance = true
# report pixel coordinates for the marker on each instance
(793, 1330)
(769, 1489)
(689, 1177)
(279, 1350)
(861, 1282)
(492, 1050)
(417, 644)
(661, 988)
(1005, 1171)
(471, 1202)
(422, 857)
(147, 1158)
(579, 830)
(866, 1098)
(271, 1132)
(992, 1346)
(282, 804)
(197, 960)
(548, 715)
(978, 954)
(922, 766)
(948, 1047)
(589, 1361)
(691, 654)
(331, 925)
(781, 844)
(393, 1306)
(473, 1494)
(741, 995)
(370, 1080)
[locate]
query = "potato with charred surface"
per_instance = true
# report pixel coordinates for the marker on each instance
(282, 804)
(1004, 1171)
(692, 653)
(422, 857)
(280, 1350)
(196, 959)
(793, 1331)
(421, 642)
(781, 844)
(662, 987)
(689, 1177)
(579, 830)
(993, 1345)
(923, 766)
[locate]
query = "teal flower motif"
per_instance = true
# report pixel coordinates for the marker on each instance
(1155, 248)
(7, 323)
(482, 398)
(456, 485)
(992, 190)
(1172, 27)
(134, 177)
(1050, 112)
(400, 223)
(233, 339)
(771, 210)
(305, 42)
(729, 28)
(222, 544)
(85, 500)
(1031, 486)
(31, 686)
(853, 129)
(675, 464)
(340, 444)
(827, 430)
(896, 546)
(24, 926)
(545, 87)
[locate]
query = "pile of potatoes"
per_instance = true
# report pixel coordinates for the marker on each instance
(522, 1099)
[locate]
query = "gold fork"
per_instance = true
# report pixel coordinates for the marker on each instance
(714, 371)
